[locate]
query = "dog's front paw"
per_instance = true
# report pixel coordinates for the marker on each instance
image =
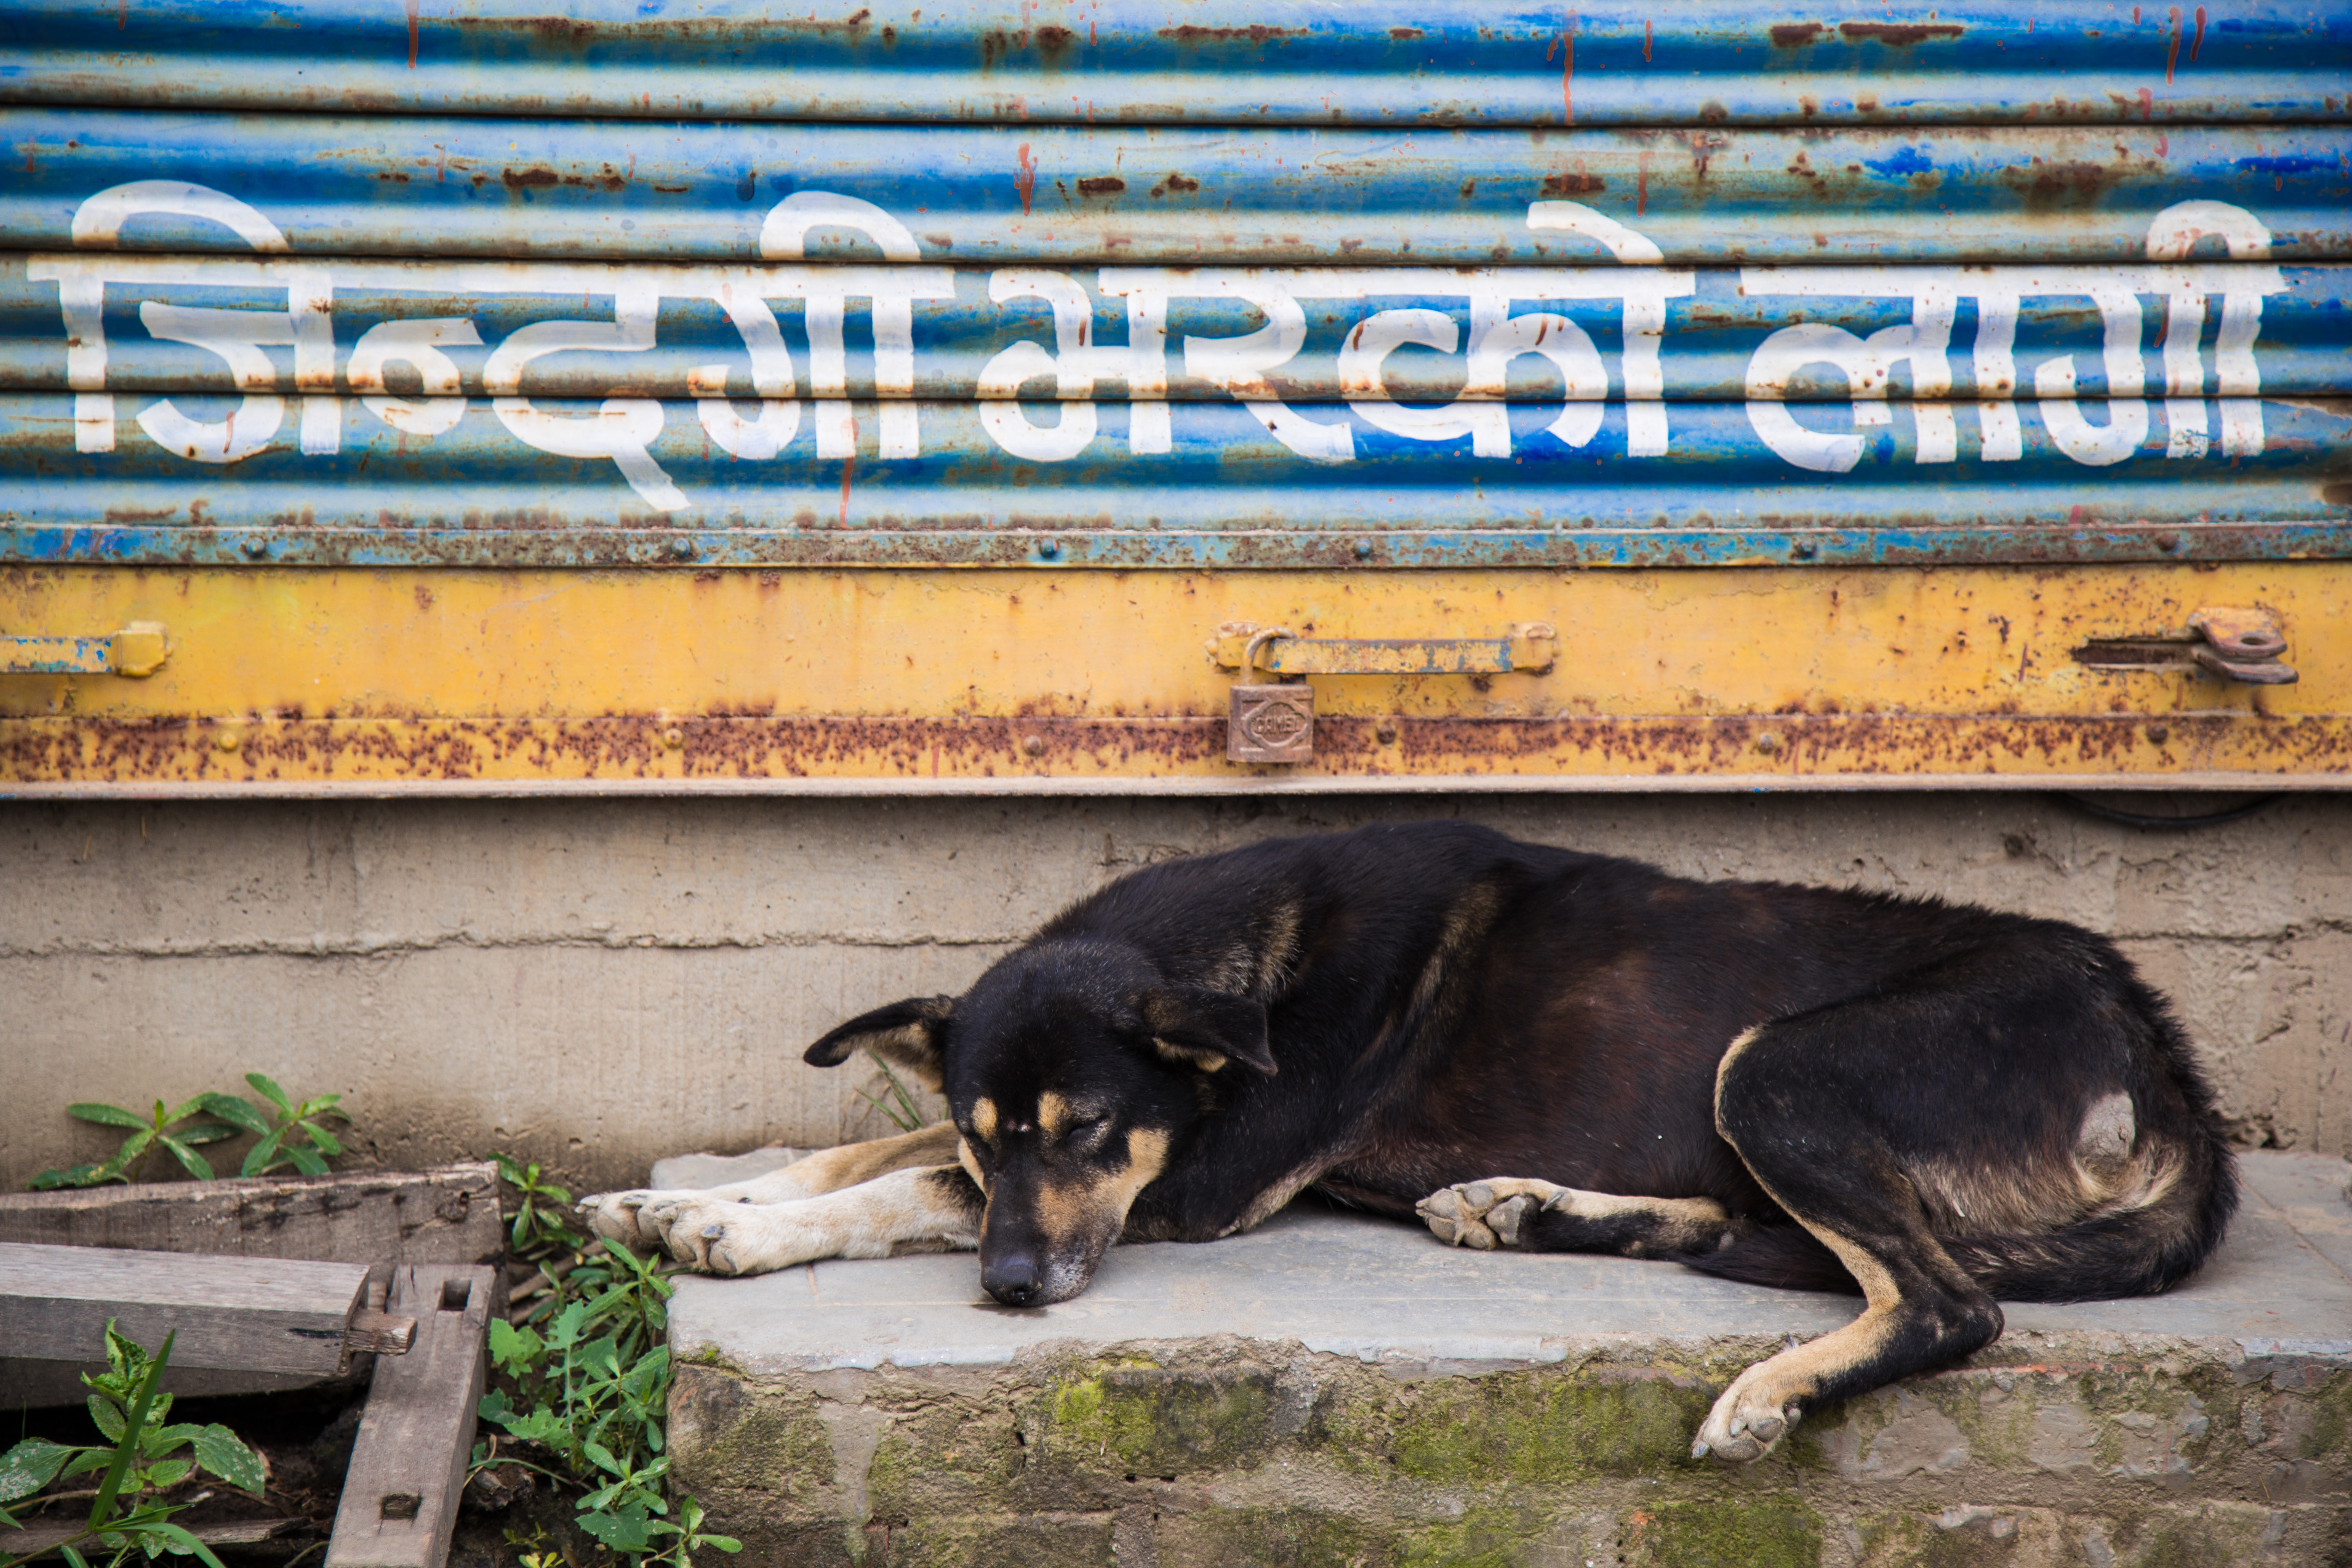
(727, 1237)
(617, 1217)
(1749, 1420)
(1486, 1215)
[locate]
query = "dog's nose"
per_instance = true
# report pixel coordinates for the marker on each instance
(1011, 1280)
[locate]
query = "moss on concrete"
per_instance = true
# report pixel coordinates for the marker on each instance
(1541, 1428)
(1161, 1421)
(1776, 1533)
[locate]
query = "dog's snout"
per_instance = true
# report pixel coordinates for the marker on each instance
(1016, 1281)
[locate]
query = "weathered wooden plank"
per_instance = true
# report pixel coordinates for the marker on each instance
(408, 1465)
(37, 1539)
(273, 1315)
(449, 1215)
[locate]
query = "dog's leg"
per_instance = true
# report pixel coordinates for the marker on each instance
(1539, 1217)
(934, 1209)
(1818, 1152)
(615, 1215)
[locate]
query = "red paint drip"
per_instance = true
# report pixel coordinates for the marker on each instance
(411, 6)
(2172, 48)
(1026, 182)
(1642, 193)
(2198, 41)
(848, 466)
(1568, 70)
(1646, 42)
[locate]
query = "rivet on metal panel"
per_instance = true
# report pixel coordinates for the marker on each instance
(1032, 745)
(255, 546)
(1049, 549)
(673, 738)
(228, 738)
(1269, 723)
(681, 548)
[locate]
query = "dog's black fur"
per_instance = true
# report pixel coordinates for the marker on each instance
(1935, 1104)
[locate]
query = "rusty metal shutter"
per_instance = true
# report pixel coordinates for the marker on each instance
(673, 396)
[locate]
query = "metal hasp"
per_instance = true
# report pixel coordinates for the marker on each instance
(2240, 645)
(1276, 723)
(137, 651)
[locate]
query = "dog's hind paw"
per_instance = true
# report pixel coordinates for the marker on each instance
(1486, 1215)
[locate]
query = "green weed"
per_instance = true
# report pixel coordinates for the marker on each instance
(146, 1456)
(290, 1133)
(583, 1381)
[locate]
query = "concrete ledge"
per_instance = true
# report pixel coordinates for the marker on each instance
(1340, 1389)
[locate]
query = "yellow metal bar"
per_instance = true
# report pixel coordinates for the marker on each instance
(915, 679)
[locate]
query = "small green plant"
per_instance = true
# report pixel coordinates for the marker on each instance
(584, 1377)
(147, 1457)
(894, 1103)
(290, 1133)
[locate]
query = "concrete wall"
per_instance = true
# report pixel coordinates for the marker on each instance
(596, 983)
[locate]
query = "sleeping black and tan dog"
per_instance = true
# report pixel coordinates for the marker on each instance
(1534, 1048)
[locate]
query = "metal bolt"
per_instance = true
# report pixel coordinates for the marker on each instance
(226, 739)
(1768, 743)
(255, 545)
(1363, 550)
(2168, 542)
(673, 737)
(1803, 549)
(682, 548)
(1032, 746)
(1049, 549)
(1385, 733)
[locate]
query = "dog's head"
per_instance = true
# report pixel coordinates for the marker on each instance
(1073, 1070)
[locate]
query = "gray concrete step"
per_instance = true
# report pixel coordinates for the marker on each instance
(1343, 1389)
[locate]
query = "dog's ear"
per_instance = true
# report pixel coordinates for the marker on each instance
(910, 1034)
(1207, 1028)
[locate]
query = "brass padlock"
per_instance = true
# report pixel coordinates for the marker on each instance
(1273, 723)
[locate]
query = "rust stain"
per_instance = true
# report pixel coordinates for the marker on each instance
(1183, 184)
(1899, 35)
(1102, 185)
(1573, 185)
(537, 175)
(2198, 41)
(1795, 35)
(2074, 186)
(1646, 41)
(848, 467)
(1567, 71)
(1404, 34)
(1255, 35)
(2172, 45)
(652, 748)
(1026, 182)
(410, 6)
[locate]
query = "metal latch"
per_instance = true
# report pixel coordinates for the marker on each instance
(2240, 645)
(139, 649)
(1275, 722)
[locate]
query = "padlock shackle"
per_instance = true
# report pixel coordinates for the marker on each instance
(1257, 640)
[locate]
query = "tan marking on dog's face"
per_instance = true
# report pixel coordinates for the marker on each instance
(1054, 1114)
(970, 1164)
(984, 1119)
(1079, 1212)
(1277, 949)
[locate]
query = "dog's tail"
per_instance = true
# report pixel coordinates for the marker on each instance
(2138, 1250)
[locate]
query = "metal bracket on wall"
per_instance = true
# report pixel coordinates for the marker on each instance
(137, 650)
(1275, 722)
